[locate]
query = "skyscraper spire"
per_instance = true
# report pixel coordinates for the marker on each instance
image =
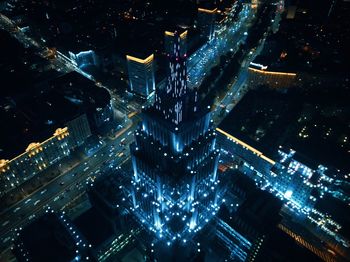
(176, 102)
(177, 79)
(174, 158)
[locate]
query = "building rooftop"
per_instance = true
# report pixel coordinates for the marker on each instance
(97, 235)
(46, 239)
(260, 210)
(108, 186)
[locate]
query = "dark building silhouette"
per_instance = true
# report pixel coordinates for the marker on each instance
(52, 237)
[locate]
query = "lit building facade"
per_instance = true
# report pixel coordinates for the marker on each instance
(141, 75)
(84, 58)
(102, 119)
(287, 177)
(206, 22)
(238, 148)
(79, 130)
(293, 180)
(175, 185)
(261, 76)
(170, 39)
(73, 102)
(36, 158)
(235, 246)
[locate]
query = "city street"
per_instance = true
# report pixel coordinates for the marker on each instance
(72, 183)
(238, 121)
(66, 187)
(200, 63)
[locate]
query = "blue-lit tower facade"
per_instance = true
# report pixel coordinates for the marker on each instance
(175, 187)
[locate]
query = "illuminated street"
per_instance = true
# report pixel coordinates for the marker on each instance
(183, 131)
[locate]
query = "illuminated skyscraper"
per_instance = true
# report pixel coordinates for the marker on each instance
(141, 75)
(170, 39)
(206, 22)
(175, 185)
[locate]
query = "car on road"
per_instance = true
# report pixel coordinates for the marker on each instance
(61, 183)
(18, 208)
(122, 142)
(36, 202)
(5, 223)
(42, 192)
(6, 239)
(27, 201)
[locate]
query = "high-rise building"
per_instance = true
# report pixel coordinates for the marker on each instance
(170, 39)
(289, 176)
(79, 129)
(175, 185)
(141, 75)
(294, 179)
(206, 22)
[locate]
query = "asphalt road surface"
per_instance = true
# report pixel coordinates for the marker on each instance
(66, 187)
